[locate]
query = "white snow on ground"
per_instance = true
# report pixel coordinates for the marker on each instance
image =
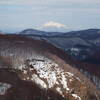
(37, 80)
(59, 90)
(64, 82)
(24, 71)
(76, 96)
(4, 87)
(21, 67)
(46, 71)
(49, 75)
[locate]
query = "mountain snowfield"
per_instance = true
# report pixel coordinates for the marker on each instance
(50, 76)
(43, 64)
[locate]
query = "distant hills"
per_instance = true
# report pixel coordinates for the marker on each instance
(83, 45)
(32, 32)
(89, 37)
(38, 32)
(83, 33)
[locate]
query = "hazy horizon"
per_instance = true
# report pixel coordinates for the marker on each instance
(67, 15)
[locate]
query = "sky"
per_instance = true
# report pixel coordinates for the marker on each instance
(16, 15)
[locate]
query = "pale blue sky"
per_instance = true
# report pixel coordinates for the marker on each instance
(16, 15)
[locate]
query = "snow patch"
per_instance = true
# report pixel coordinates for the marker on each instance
(48, 74)
(78, 79)
(24, 71)
(70, 74)
(46, 71)
(4, 87)
(64, 82)
(21, 67)
(59, 90)
(76, 96)
(38, 81)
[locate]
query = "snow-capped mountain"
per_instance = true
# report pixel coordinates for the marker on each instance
(28, 65)
(52, 26)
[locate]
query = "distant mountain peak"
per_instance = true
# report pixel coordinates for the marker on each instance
(53, 26)
(32, 31)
